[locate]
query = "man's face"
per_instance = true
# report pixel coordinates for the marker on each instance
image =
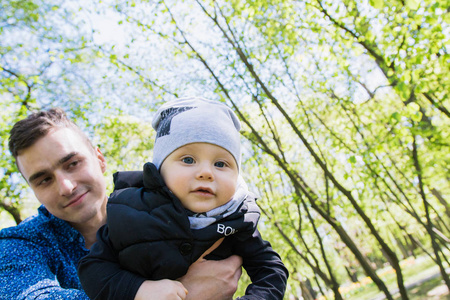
(203, 176)
(66, 175)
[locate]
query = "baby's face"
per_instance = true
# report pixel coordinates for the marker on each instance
(203, 176)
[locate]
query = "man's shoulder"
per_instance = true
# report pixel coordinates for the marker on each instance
(38, 225)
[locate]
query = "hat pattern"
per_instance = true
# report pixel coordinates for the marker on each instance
(166, 119)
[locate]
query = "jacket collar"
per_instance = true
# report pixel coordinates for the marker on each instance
(149, 177)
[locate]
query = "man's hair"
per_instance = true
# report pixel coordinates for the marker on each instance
(28, 131)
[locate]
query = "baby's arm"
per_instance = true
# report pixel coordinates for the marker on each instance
(265, 268)
(102, 277)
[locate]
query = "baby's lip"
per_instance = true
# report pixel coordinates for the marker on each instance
(202, 189)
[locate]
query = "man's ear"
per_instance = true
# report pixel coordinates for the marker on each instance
(101, 159)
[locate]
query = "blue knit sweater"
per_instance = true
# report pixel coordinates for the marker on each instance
(38, 259)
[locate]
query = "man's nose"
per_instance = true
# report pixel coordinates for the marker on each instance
(66, 185)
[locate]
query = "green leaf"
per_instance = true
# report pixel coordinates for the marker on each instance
(412, 4)
(416, 116)
(413, 107)
(378, 4)
(396, 116)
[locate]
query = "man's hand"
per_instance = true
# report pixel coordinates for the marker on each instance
(213, 280)
(161, 290)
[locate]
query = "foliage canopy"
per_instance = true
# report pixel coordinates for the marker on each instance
(345, 106)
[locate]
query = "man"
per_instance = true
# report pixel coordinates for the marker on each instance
(38, 258)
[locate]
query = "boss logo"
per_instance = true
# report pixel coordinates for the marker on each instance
(225, 230)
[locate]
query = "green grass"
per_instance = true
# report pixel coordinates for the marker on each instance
(414, 271)
(421, 292)
(420, 270)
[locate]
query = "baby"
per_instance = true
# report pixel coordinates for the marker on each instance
(192, 195)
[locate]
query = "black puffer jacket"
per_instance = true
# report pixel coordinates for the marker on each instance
(148, 233)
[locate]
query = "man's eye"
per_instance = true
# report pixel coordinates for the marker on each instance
(188, 160)
(44, 181)
(220, 164)
(73, 164)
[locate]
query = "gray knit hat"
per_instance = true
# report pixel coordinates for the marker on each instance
(195, 120)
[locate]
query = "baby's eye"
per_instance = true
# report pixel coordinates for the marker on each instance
(219, 164)
(188, 160)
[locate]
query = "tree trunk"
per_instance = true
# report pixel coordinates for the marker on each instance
(429, 226)
(13, 211)
(352, 274)
(441, 199)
